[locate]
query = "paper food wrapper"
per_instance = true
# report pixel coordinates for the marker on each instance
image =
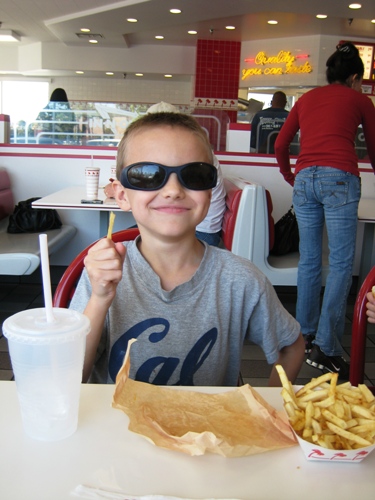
(232, 424)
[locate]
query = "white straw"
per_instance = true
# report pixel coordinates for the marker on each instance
(46, 277)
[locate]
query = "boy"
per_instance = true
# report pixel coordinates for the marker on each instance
(190, 305)
(209, 229)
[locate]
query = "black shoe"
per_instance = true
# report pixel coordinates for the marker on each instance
(333, 364)
(308, 342)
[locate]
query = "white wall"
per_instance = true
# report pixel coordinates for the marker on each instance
(127, 90)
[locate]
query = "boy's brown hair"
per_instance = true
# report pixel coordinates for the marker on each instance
(151, 120)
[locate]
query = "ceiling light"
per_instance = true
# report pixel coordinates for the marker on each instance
(230, 27)
(192, 32)
(175, 11)
(272, 21)
(109, 73)
(80, 72)
(93, 40)
(159, 37)
(373, 21)
(132, 20)
(321, 16)
(9, 36)
(85, 30)
(167, 76)
(139, 74)
(355, 6)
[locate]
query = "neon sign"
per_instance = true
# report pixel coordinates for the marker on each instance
(283, 63)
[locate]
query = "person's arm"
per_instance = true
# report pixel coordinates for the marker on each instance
(253, 132)
(282, 144)
(103, 263)
(291, 359)
(370, 305)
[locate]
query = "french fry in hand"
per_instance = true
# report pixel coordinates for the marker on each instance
(110, 225)
(334, 416)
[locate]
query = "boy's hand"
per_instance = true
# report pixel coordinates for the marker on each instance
(104, 263)
(370, 307)
(109, 191)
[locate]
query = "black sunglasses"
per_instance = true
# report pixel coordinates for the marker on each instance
(149, 176)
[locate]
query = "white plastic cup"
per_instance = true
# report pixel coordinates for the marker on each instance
(92, 182)
(47, 361)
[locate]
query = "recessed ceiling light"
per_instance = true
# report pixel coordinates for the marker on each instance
(80, 72)
(139, 74)
(132, 20)
(230, 27)
(167, 76)
(321, 16)
(272, 21)
(192, 32)
(85, 30)
(373, 21)
(159, 37)
(93, 40)
(109, 73)
(355, 6)
(175, 11)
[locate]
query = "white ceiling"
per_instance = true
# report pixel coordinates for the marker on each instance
(59, 21)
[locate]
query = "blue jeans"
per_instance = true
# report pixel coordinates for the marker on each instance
(330, 195)
(210, 238)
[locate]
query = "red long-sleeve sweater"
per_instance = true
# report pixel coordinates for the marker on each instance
(328, 118)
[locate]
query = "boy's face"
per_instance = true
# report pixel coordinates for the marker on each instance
(173, 210)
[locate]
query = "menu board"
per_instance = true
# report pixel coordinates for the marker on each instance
(367, 55)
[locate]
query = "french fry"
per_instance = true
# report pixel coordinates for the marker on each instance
(348, 435)
(331, 415)
(110, 225)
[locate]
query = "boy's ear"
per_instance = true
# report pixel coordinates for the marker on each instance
(121, 195)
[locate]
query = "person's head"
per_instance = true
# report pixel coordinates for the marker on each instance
(345, 66)
(162, 107)
(59, 95)
(278, 100)
(152, 120)
(163, 199)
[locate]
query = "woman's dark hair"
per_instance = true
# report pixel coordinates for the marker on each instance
(343, 63)
(59, 95)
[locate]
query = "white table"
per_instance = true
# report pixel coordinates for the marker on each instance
(366, 214)
(70, 199)
(102, 447)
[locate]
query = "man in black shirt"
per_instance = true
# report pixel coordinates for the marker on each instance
(267, 123)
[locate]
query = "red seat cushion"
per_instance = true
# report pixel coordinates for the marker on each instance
(232, 201)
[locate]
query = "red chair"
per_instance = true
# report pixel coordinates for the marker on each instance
(359, 328)
(67, 285)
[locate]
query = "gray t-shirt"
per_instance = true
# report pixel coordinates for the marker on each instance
(193, 334)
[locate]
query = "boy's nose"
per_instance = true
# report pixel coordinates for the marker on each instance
(172, 186)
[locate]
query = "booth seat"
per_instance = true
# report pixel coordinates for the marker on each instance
(19, 253)
(248, 232)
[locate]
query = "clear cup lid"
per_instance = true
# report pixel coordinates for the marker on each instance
(31, 326)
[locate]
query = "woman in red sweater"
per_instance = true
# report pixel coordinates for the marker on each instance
(326, 190)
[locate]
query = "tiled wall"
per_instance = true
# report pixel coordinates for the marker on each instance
(126, 90)
(217, 70)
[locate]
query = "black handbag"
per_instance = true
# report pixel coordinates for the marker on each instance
(26, 219)
(286, 234)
